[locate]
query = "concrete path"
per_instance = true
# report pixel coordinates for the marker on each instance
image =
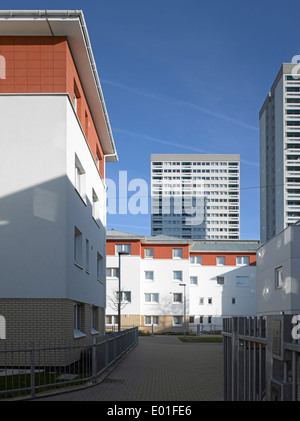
(160, 368)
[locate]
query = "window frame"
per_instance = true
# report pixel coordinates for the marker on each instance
(152, 254)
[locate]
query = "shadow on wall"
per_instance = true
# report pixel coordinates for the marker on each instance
(38, 244)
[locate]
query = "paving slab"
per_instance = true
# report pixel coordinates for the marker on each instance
(160, 369)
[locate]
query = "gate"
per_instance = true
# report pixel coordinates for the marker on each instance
(261, 358)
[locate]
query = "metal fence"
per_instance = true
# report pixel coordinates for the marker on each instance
(28, 369)
(261, 358)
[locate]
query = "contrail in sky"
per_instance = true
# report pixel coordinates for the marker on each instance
(180, 103)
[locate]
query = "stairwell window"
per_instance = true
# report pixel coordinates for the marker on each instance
(126, 248)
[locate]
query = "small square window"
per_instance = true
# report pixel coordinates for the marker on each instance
(177, 297)
(193, 280)
(220, 260)
(177, 253)
(177, 275)
(149, 253)
(209, 300)
(149, 275)
(220, 280)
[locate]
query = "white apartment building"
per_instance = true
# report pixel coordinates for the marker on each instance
(278, 268)
(195, 196)
(164, 278)
(280, 154)
(55, 136)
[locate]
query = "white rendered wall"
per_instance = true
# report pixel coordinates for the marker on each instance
(38, 203)
(281, 251)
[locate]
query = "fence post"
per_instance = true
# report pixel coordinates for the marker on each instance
(94, 360)
(32, 375)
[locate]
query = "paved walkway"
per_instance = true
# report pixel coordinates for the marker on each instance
(160, 368)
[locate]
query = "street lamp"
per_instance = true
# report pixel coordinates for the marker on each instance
(184, 310)
(121, 253)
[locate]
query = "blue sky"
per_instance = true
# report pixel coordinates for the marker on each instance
(186, 76)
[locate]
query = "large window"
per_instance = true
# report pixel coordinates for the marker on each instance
(125, 248)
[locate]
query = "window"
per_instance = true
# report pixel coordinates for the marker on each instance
(77, 316)
(125, 296)
(209, 300)
(220, 260)
(233, 301)
(126, 248)
(151, 320)
(76, 97)
(177, 275)
(78, 320)
(177, 297)
(209, 319)
(87, 256)
(196, 260)
(149, 275)
(112, 272)
(78, 247)
(201, 300)
(242, 281)
(192, 319)
(220, 280)
(94, 320)
(95, 206)
(242, 260)
(177, 320)
(151, 298)
(99, 265)
(79, 176)
(193, 280)
(177, 253)
(278, 277)
(111, 320)
(149, 253)
(201, 319)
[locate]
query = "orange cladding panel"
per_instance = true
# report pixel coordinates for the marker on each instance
(43, 64)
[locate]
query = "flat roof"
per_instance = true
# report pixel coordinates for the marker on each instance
(69, 23)
(194, 157)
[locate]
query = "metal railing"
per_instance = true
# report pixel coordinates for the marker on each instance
(261, 359)
(31, 368)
